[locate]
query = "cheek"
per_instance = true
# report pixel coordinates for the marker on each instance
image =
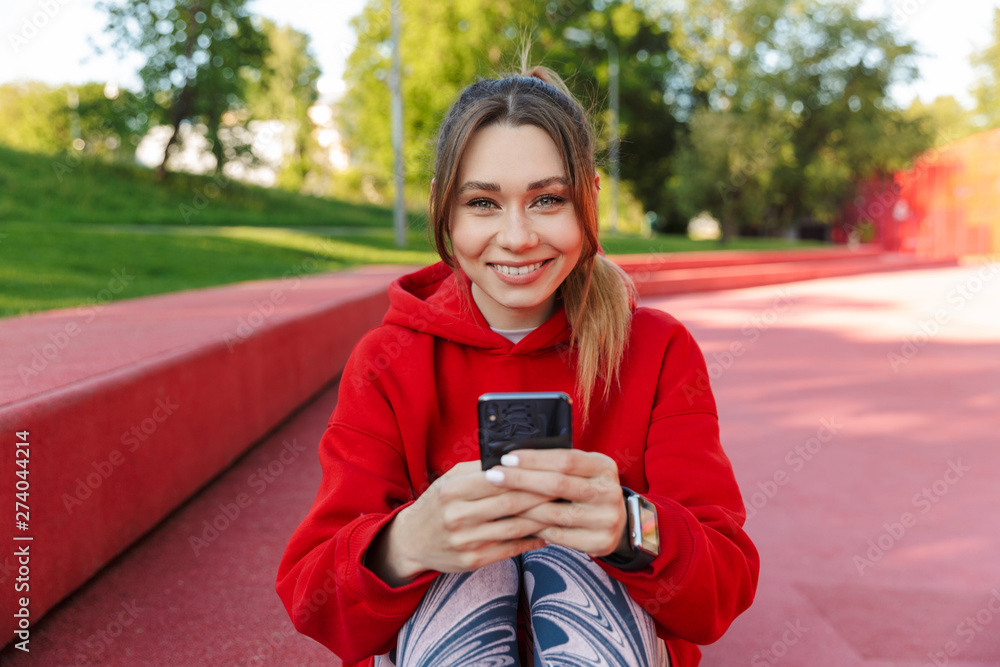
(570, 239)
(465, 242)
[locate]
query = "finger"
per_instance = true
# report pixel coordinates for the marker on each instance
(508, 529)
(491, 553)
(603, 489)
(460, 514)
(578, 515)
(581, 539)
(465, 486)
(568, 461)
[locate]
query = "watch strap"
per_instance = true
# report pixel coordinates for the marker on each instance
(639, 558)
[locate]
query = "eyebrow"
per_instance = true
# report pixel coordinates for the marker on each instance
(495, 187)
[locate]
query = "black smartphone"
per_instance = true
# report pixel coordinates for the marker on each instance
(523, 420)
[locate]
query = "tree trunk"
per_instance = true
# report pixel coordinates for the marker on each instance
(177, 115)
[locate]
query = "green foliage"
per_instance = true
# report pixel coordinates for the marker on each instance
(789, 109)
(44, 119)
(199, 60)
(285, 90)
(728, 165)
(945, 119)
(987, 90)
(763, 113)
(445, 46)
(33, 118)
(111, 121)
(646, 73)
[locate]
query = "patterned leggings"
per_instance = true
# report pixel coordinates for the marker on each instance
(579, 616)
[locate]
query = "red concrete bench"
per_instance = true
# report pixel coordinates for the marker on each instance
(130, 408)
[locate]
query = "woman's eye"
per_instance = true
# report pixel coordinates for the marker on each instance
(548, 201)
(480, 203)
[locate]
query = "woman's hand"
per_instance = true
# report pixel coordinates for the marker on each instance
(461, 523)
(592, 519)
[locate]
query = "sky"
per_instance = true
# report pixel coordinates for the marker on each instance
(51, 40)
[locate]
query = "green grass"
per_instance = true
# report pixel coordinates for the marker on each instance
(631, 245)
(38, 188)
(69, 227)
(54, 265)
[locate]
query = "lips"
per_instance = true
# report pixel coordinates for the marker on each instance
(524, 270)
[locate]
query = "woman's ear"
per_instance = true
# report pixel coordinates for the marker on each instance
(597, 186)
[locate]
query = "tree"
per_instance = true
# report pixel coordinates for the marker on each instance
(647, 127)
(944, 118)
(285, 90)
(987, 89)
(448, 44)
(764, 113)
(111, 120)
(445, 45)
(728, 164)
(102, 120)
(200, 57)
(33, 117)
(812, 78)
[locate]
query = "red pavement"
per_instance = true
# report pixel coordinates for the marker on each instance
(863, 434)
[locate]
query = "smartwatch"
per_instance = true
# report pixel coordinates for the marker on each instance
(643, 534)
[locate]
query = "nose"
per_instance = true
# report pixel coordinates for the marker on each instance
(516, 233)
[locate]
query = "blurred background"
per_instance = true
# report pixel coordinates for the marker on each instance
(239, 131)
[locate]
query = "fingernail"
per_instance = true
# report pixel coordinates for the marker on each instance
(494, 475)
(510, 460)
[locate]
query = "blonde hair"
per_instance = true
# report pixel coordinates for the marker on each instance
(597, 295)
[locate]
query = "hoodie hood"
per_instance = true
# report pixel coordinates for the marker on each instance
(437, 301)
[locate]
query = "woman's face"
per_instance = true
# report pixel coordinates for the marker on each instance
(514, 230)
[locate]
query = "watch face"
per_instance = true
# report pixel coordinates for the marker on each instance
(647, 537)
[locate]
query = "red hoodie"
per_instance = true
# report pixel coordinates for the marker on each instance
(406, 414)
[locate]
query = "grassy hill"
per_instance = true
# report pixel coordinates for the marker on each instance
(39, 188)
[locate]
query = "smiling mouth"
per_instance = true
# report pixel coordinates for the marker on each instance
(519, 270)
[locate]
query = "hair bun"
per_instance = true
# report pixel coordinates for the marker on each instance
(548, 76)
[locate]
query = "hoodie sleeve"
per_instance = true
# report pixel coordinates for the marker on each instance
(322, 580)
(706, 573)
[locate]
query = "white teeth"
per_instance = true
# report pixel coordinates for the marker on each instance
(518, 270)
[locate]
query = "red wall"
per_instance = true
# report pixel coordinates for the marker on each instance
(947, 205)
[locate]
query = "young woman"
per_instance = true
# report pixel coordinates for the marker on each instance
(412, 554)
